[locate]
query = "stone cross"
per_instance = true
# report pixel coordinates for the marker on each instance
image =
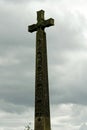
(42, 107)
(41, 23)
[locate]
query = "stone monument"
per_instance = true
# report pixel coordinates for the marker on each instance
(42, 107)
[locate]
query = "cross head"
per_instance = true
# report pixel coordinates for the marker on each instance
(41, 22)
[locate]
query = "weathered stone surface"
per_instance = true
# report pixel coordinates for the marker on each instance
(42, 108)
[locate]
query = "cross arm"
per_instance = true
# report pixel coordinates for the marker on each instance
(42, 24)
(32, 28)
(49, 22)
(45, 23)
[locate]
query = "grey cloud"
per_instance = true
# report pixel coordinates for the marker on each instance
(79, 115)
(67, 75)
(69, 34)
(69, 88)
(19, 1)
(16, 59)
(69, 116)
(67, 66)
(18, 79)
(11, 108)
(15, 120)
(83, 127)
(68, 37)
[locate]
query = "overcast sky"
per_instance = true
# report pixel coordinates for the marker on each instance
(67, 63)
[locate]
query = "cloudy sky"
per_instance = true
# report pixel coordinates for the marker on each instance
(67, 60)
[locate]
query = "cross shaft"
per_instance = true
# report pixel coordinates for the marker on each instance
(41, 23)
